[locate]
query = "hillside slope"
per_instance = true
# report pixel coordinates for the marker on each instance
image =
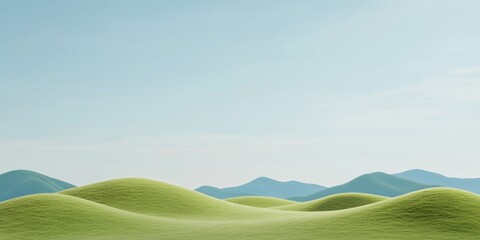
(263, 186)
(437, 213)
(426, 177)
(264, 202)
(377, 183)
(335, 202)
(154, 198)
(22, 182)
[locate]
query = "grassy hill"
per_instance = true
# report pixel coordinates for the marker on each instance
(153, 198)
(335, 202)
(164, 211)
(422, 176)
(264, 202)
(263, 186)
(22, 182)
(377, 183)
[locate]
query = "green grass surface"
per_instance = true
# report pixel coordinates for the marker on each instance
(154, 198)
(335, 202)
(22, 182)
(144, 209)
(264, 202)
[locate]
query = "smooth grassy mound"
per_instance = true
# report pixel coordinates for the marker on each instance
(335, 202)
(154, 198)
(446, 210)
(23, 182)
(58, 216)
(263, 202)
(437, 213)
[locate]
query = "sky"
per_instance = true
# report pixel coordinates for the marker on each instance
(221, 92)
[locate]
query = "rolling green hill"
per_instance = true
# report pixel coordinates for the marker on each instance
(264, 202)
(154, 210)
(153, 198)
(377, 183)
(22, 182)
(335, 202)
(263, 186)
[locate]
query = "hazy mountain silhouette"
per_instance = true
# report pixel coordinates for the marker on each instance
(221, 193)
(263, 186)
(23, 182)
(377, 183)
(422, 176)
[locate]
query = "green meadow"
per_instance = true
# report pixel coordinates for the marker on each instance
(265, 202)
(145, 209)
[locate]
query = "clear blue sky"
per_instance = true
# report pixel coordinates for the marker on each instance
(220, 92)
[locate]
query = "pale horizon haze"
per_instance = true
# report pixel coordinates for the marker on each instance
(221, 92)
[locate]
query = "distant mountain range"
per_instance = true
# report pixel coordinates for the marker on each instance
(377, 183)
(221, 193)
(263, 186)
(135, 208)
(20, 183)
(422, 176)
